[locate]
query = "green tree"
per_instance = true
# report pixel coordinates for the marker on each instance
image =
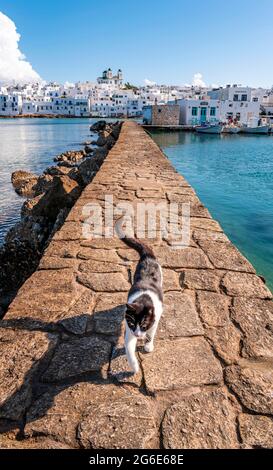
(129, 86)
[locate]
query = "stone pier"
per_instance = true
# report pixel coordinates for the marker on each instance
(64, 380)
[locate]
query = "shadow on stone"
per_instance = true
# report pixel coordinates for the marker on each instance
(40, 360)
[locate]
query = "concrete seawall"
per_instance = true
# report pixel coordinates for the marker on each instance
(63, 373)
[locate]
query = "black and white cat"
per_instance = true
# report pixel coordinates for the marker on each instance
(145, 302)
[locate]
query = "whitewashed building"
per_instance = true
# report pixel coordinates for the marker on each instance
(236, 103)
(259, 94)
(134, 108)
(267, 106)
(82, 107)
(10, 104)
(198, 111)
(29, 107)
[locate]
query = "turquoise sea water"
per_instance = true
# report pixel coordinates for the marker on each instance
(31, 144)
(233, 176)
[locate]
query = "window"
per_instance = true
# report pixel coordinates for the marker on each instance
(194, 111)
(244, 97)
(213, 111)
(235, 97)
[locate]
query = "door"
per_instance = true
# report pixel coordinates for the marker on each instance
(203, 114)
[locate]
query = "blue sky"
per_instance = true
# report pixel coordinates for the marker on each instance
(166, 41)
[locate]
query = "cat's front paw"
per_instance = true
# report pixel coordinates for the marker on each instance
(149, 347)
(135, 367)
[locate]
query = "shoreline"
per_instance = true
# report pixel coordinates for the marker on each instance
(60, 116)
(48, 199)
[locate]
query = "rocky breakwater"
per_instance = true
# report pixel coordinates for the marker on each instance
(64, 375)
(50, 197)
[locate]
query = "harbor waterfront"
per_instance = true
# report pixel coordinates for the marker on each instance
(233, 176)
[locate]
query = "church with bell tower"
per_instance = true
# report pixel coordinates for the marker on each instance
(108, 78)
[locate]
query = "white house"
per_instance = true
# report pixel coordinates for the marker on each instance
(134, 108)
(259, 94)
(267, 106)
(242, 112)
(64, 106)
(10, 104)
(29, 107)
(82, 107)
(197, 111)
(236, 103)
(231, 93)
(100, 103)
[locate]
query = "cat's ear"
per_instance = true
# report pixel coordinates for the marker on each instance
(131, 308)
(151, 312)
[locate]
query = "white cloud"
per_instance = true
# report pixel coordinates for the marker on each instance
(149, 82)
(69, 85)
(198, 80)
(13, 64)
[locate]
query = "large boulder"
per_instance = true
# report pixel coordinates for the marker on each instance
(28, 206)
(116, 130)
(71, 157)
(23, 182)
(98, 126)
(57, 170)
(105, 139)
(43, 184)
(29, 185)
(30, 230)
(63, 193)
(90, 166)
(88, 150)
(20, 255)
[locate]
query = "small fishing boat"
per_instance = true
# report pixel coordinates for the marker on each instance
(263, 129)
(209, 129)
(231, 129)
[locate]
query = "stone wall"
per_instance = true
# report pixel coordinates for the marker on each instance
(64, 376)
(165, 115)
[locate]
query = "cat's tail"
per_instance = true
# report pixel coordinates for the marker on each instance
(140, 247)
(137, 245)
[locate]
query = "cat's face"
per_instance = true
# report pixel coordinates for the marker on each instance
(140, 318)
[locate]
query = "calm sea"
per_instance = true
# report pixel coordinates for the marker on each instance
(233, 176)
(31, 144)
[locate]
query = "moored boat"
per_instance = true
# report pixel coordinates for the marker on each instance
(263, 129)
(209, 129)
(231, 129)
